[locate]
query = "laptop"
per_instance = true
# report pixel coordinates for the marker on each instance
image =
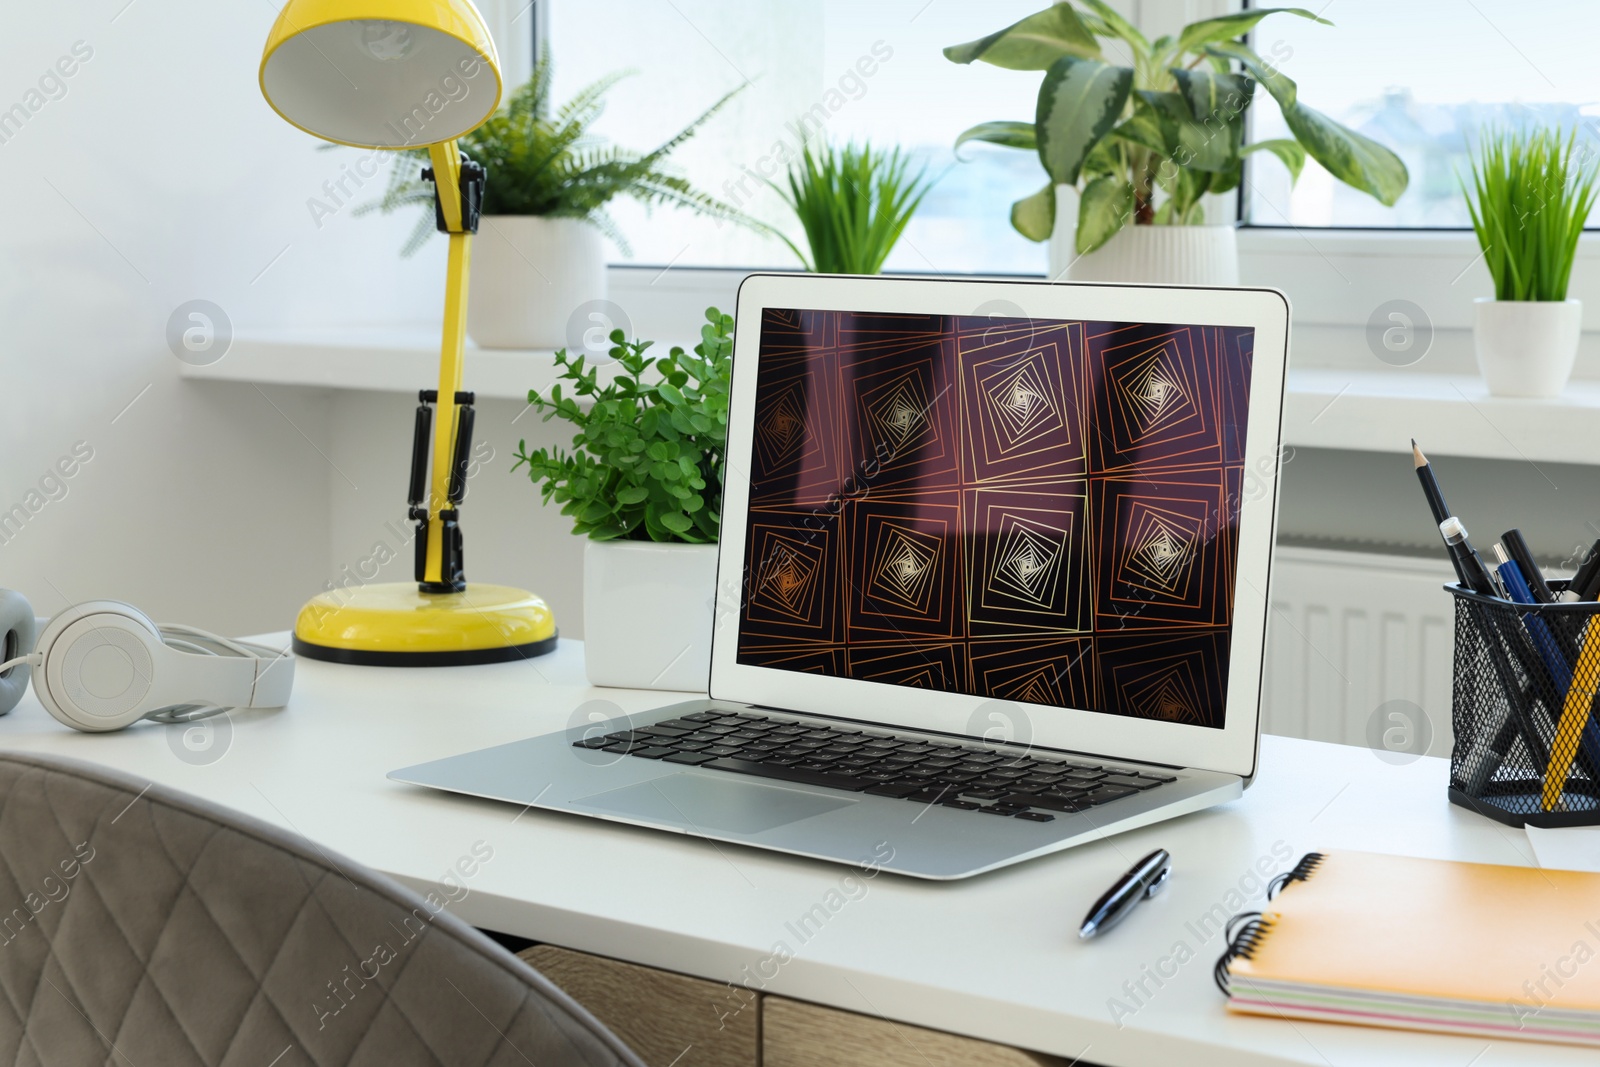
(993, 579)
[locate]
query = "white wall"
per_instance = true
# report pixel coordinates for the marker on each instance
(155, 175)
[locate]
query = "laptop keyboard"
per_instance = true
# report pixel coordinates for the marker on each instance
(969, 777)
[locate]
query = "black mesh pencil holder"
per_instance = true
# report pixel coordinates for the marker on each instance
(1524, 708)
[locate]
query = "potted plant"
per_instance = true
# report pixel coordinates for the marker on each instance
(1143, 144)
(643, 482)
(540, 255)
(1529, 199)
(853, 204)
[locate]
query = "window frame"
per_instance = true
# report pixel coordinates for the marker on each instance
(1245, 222)
(1336, 275)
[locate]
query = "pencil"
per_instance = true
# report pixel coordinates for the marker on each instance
(1430, 485)
(1574, 714)
(1436, 504)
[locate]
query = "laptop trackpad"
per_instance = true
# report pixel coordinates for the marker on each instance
(725, 803)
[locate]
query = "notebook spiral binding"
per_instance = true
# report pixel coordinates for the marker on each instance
(1252, 927)
(1299, 873)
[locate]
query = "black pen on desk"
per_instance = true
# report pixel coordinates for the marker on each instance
(1143, 881)
(1436, 504)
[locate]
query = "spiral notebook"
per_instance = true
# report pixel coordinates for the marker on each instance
(1464, 948)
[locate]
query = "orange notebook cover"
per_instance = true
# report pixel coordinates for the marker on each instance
(1358, 937)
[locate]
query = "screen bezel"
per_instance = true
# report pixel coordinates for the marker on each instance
(1230, 749)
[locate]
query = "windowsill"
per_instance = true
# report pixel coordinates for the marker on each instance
(1379, 411)
(1373, 411)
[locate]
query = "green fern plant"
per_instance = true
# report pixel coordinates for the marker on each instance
(550, 163)
(647, 459)
(853, 204)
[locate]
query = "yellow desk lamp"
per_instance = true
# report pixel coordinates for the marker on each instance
(399, 74)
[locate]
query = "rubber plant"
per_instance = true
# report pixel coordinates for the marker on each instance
(1144, 143)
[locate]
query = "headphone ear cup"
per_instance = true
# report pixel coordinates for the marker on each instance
(99, 665)
(16, 639)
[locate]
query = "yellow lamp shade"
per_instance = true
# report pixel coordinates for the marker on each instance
(382, 73)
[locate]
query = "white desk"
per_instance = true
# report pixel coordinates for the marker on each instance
(995, 957)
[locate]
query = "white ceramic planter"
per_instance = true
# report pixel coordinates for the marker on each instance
(1526, 347)
(1163, 255)
(530, 275)
(647, 611)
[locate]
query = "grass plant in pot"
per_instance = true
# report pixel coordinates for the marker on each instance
(643, 482)
(1529, 198)
(1144, 144)
(540, 256)
(853, 204)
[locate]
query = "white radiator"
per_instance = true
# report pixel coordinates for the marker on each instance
(1350, 632)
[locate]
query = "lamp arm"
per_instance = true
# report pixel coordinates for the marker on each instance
(458, 200)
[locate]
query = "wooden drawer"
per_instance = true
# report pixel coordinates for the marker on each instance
(797, 1034)
(670, 1020)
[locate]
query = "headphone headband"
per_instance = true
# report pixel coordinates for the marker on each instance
(16, 640)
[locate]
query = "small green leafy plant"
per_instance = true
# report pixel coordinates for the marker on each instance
(647, 459)
(552, 165)
(1529, 199)
(1145, 143)
(853, 204)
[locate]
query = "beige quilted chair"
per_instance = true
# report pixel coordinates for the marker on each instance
(143, 928)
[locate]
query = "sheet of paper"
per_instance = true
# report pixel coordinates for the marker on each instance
(1570, 848)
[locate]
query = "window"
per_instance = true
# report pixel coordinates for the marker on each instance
(835, 69)
(1421, 78)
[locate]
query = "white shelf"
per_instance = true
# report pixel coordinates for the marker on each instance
(388, 361)
(1451, 415)
(1372, 411)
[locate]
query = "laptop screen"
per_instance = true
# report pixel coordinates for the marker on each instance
(1021, 509)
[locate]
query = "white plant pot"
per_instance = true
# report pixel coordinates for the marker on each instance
(647, 611)
(1526, 347)
(1162, 255)
(531, 278)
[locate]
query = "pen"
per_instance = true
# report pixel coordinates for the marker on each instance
(1574, 693)
(1576, 729)
(1585, 584)
(1555, 663)
(1436, 504)
(1469, 565)
(1517, 548)
(1520, 703)
(1143, 881)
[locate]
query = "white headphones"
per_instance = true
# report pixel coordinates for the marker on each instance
(104, 665)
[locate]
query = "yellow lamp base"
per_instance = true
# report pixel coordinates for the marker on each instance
(397, 625)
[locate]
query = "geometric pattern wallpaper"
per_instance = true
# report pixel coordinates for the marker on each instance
(1030, 510)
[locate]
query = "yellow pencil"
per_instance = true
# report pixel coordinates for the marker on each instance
(1574, 713)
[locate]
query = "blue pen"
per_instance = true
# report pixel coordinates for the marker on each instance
(1545, 642)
